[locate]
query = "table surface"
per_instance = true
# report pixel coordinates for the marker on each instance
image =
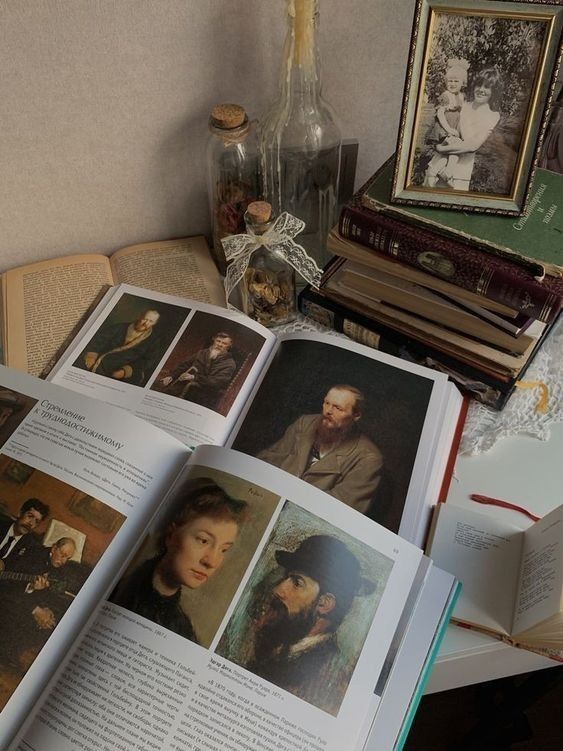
(525, 471)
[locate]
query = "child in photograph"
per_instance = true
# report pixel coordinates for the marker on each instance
(478, 117)
(446, 123)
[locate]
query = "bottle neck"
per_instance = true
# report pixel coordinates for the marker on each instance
(301, 66)
(257, 228)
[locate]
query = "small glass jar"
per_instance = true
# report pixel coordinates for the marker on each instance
(233, 173)
(267, 289)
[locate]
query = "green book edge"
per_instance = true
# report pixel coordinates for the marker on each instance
(535, 237)
(427, 668)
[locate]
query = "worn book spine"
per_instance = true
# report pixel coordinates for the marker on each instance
(456, 262)
(362, 329)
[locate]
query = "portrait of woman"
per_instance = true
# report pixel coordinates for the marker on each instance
(477, 119)
(192, 542)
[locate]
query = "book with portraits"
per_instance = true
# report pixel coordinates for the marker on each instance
(158, 597)
(370, 429)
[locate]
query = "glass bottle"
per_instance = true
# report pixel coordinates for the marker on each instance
(299, 139)
(267, 289)
(232, 173)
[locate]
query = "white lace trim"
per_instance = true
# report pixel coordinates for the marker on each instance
(485, 427)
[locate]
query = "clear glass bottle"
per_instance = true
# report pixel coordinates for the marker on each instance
(267, 289)
(300, 141)
(233, 173)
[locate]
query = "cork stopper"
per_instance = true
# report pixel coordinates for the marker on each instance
(228, 116)
(259, 211)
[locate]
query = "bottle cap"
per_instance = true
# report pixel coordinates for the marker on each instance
(259, 211)
(228, 116)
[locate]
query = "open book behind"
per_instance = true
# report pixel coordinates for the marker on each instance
(512, 578)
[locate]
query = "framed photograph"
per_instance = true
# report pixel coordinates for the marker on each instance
(480, 80)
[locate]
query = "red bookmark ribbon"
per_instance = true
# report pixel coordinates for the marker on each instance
(503, 504)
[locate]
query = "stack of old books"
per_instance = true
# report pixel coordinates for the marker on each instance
(473, 295)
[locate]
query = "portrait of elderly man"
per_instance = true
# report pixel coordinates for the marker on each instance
(48, 562)
(125, 351)
(16, 538)
(204, 376)
(34, 601)
(296, 628)
(330, 451)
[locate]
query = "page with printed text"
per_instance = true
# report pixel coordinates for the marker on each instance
(79, 481)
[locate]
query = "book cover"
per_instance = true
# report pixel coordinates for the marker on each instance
(429, 663)
(353, 251)
(533, 239)
(459, 263)
(386, 293)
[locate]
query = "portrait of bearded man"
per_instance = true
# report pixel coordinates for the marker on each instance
(330, 451)
(126, 351)
(203, 377)
(294, 621)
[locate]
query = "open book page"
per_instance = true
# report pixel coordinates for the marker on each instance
(484, 553)
(78, 483)
(44, 301)
(185, 366)
(259, 614)
(540, 588)
(181, 267)
(370, 429)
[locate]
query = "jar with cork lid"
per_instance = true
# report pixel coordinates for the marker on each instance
(267, 289)
(233, 173)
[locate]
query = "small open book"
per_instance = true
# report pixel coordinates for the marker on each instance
(512, 578)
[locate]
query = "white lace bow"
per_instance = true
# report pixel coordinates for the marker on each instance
(239, 250)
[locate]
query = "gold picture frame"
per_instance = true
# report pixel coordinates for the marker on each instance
(479, 83)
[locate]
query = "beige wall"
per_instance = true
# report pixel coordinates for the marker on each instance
(104, 107)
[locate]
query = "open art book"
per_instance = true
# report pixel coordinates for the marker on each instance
(370, 429)
(512, 577)
(157, 598)
(43, 302)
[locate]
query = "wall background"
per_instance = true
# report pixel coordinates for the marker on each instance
(104, 107)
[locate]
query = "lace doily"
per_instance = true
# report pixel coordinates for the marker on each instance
(484, 427)
(303, 325)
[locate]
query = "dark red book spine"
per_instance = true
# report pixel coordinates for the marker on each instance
(456, 262)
